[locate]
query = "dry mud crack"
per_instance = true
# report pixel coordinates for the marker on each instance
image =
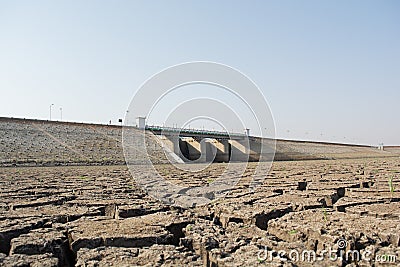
(97, 216)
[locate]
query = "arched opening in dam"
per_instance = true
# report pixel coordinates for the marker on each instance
(204, 150)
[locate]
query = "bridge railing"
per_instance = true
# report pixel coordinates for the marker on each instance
(191, 131)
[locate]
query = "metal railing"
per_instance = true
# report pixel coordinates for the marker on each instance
(191, 131)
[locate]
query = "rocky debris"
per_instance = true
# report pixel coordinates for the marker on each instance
(257, 214)
(235, 245)
(155, 255)
(140, 231)
(348, 202)
(10, 229)
(201, 237)
(59, 200)
(22, 260)
(98, 216)
(320, 228)
(55, 214)
(148, 206)
(274, 205)
(41, 241)
(382, 210)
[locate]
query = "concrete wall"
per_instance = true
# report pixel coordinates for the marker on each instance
(238, 150)
(392, 149)
(38, 143)
(44, 143)
(303, 150)
(199, 151)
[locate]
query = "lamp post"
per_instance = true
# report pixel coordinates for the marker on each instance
(50, 110)
(61, 113)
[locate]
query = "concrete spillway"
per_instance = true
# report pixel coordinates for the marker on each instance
(42, 143)
(238, 149)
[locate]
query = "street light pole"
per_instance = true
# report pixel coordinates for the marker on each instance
(50, 110)
(61, 113)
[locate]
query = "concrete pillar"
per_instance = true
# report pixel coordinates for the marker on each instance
(175, 141)
(203, 150)
(239, 150)
(208, 150)
(222, 150)
(194, 148)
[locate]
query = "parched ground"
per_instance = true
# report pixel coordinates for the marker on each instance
(97, 216)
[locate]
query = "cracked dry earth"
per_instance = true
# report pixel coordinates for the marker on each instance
(97, 216)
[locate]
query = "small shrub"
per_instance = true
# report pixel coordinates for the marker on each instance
(292, 232)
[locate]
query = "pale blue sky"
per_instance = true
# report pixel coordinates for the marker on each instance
(325, 67)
